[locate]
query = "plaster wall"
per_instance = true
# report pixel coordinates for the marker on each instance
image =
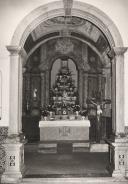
(13, 11)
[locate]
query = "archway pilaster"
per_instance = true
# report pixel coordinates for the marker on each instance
(14, 145)
(118, 62)
(15, 82)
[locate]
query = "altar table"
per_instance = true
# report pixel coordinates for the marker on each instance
(64, 130)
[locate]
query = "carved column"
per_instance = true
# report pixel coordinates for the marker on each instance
(15, 88)
(80, 87)
(119, 148)
(119, 88)
(85, 90)
(14, 146)
(47, 87)
(43, 93)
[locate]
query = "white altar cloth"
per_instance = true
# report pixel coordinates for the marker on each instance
(64, 130)
(74, 123)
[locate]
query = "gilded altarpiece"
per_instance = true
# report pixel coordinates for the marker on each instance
(93, 77)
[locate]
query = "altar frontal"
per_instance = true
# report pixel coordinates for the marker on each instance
(64, 130)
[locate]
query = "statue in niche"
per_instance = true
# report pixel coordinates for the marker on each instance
(35, 93)
(65, 95)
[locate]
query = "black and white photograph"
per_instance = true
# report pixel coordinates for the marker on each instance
(64, 91)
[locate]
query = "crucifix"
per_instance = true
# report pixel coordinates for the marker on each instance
(99, 106)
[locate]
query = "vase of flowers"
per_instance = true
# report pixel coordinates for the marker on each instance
(84, 112)
(44, 113)
(50, 110)
(76, 109)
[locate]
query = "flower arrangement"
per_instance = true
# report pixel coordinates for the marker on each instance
(84, 112)
(76, 108)
(44, 112)
(50, 108)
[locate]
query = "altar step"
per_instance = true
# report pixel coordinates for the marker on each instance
(79, 180)
(101, 147)
(63, 147)
(66, 148)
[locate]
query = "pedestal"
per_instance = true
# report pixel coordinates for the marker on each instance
(14, 166)
(119, 157)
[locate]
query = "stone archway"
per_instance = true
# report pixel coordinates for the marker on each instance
(14, 146)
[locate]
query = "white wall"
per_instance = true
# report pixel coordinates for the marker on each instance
(13, 11)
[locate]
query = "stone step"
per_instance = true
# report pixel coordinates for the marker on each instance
(97, 180)
(95, 147)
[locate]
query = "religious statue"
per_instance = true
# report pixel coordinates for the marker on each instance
(65, 94)
(99, 104)
(35, 93)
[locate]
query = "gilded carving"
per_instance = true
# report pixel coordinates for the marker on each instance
(64, 46)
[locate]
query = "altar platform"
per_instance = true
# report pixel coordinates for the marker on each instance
(58, 132)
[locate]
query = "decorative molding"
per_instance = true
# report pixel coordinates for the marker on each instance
(64, 46)
(121, 159)
(67, 7)
(16, 50)
(111, 54)
(12, 159)
(119, 50)
(79, 9)
(14, 138)
(65, 25)
(72, 21)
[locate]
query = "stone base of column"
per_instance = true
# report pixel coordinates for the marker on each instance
(9, 177)
(14, 166)
(117, 174)
(118, 157)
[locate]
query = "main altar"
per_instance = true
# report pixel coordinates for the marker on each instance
(64, 131)
(64, 103)
(55, 132)
(61, 120)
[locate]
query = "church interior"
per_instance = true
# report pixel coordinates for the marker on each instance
(65, 79)
(63, 114)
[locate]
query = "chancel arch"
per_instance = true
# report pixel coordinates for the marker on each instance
(99, 31)
(93, 70)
